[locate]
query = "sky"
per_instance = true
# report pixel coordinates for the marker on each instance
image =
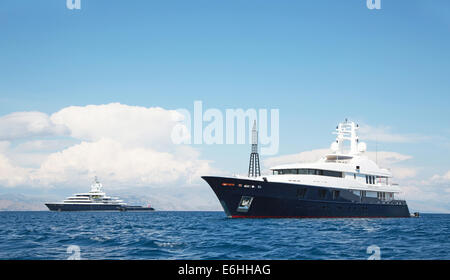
(94, 91)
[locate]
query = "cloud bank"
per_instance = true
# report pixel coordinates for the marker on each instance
(21, 125)
(385, 134)
(126, 146)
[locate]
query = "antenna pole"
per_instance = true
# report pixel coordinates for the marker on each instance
(376, 150)
(254, 169)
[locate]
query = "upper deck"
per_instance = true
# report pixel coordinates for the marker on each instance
(345, 167)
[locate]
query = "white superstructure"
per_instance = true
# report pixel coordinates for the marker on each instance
(346, 167)
(94, 196)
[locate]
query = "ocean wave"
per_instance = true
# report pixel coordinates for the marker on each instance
(210, 235)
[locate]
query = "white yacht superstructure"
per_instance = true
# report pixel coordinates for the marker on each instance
(94, 196)
(346, 168)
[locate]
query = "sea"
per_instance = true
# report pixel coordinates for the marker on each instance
(210, 235)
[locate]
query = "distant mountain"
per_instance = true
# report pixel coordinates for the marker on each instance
(18, 202)
(170, 202)
(160, 199)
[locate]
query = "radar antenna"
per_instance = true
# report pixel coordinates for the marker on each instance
(96, 185)
(347, 131)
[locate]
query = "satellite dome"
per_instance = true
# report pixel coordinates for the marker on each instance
(362, 147)
(334, 146)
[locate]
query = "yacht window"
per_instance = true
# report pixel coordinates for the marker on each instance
(371, 194)
(384, 180)
(305, 171)
(332, 173)
(322, 193)
(336, 194)
(301, 192)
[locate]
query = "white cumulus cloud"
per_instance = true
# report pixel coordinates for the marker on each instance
(385, 134)
(11, 175)
(120, 166)
(28, 124)
(130, 125)
(441, 178)
(126, 146)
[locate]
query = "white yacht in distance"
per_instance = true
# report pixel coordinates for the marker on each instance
(94, 200)
(344, 183)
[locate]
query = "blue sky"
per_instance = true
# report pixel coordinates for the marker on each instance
(318, 62)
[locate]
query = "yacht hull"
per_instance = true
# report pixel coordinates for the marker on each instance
(94, 207)
(245, 198)
(82, 207)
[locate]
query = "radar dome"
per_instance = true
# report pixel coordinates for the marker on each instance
(334, 147)
(362, 147)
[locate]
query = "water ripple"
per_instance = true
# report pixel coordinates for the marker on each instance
(209, 235)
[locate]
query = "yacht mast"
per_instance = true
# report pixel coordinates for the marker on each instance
(254, 168)
(347, 131)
